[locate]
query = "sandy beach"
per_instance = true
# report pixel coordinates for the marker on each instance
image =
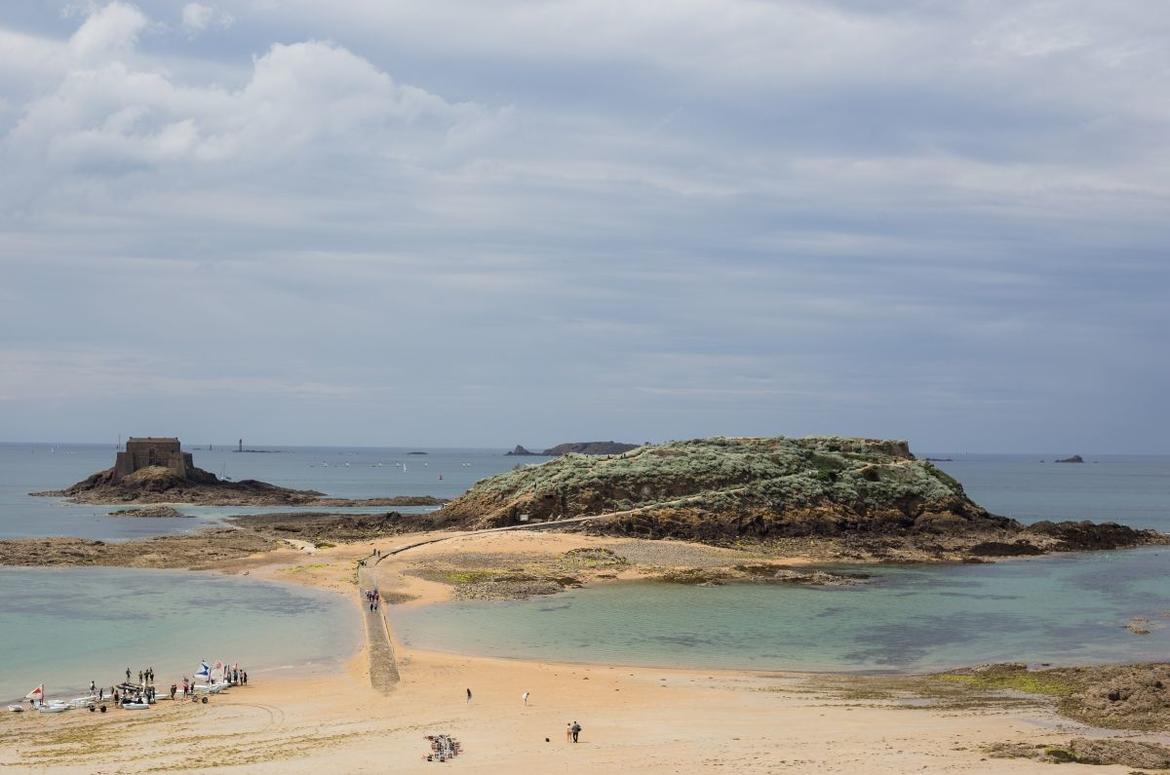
(640, 719)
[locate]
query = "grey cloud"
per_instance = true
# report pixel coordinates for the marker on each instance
(942, 221)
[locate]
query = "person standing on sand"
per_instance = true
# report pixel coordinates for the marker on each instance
(525, 698)
(576, 731)
(468, 696)
(127, 675)
(568, 732)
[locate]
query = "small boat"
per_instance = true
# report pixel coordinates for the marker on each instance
(135, 705)
(83, 702)
(55, 706)
(16, 709)
(210, 688)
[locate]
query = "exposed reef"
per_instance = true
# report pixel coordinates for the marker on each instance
(156, 512)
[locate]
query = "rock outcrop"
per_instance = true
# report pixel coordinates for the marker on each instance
(1073, 459)
(156, 512)
(156, 484)
(520, 451)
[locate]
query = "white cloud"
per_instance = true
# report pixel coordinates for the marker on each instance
(198, 17)
(112, 111)
(108, 32)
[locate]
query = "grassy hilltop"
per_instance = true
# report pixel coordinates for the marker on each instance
(726, 487)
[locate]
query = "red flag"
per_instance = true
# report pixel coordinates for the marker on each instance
(36, 694)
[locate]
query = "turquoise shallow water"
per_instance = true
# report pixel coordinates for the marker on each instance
(66, 627)
(1062, 609)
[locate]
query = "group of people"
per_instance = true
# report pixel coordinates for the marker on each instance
(373, 599)
(144, 676)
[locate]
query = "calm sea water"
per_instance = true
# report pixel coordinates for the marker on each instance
(345, 473)
(67, 627)
(1062, 609)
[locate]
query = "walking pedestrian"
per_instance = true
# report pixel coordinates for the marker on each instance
(568, 731)
(127, 675)
(576, 731)
(468, 696)
(525, 698)
(93, 687)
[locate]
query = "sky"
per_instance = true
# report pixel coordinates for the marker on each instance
(493, 222)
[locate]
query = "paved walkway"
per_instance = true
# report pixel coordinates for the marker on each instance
(383, 668)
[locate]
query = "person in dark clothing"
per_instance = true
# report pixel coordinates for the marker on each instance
(576, 731)
(469, 695)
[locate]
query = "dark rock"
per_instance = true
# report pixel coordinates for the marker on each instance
(1073, 459)
(1085, 536)
(520, 451)
(1004, 549)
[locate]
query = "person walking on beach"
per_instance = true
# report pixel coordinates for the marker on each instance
(568, 731)
(468, 696)
(576, 731)
(525, 698)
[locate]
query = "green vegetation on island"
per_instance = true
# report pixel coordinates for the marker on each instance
(725, 489)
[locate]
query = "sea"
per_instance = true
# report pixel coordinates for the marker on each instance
(1060, 610)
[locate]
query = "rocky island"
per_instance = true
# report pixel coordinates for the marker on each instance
(156, 470)
(866, 497)
(578, 447)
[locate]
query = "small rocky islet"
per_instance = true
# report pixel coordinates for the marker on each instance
(155, 470)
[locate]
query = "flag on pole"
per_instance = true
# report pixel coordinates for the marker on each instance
(36, 694)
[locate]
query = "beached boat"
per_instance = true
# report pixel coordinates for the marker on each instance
(55, 706)
(210, 688)
(136, 705)
(83, 702)
(16, 709)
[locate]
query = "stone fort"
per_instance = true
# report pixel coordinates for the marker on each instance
(153, 451)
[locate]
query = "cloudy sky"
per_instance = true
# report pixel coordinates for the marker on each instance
(531, 221)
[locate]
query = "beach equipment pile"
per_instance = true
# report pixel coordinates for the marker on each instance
(443, 747)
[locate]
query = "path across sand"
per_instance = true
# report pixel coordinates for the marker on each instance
(383, 668)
